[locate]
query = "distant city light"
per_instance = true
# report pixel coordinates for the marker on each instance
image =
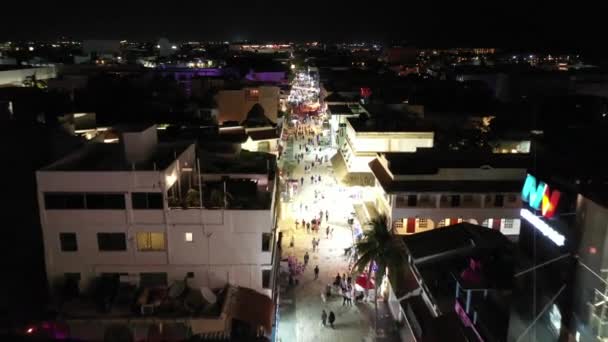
(31, 48)
(293, 66)
(174, 47)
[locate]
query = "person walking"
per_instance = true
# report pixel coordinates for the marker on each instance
(292, 242)
(332, 319)
(314, 244)
(327, 232)
(307, 226)
(324, 318)
(316, 272)
(302, 181)
(326, 214)
(306, 257)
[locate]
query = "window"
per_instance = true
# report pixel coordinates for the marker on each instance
(266, 279)
(252, 94)
(455, 200)
(508, 224)
(423, 223)
(188, 237)
(111, 242)
(149, 242)
(412, 200)
(190, 275)
(83, 201)
(63, 200)
(68, 242)
(467, 199)
(499, 200)
(105, 201)
(511, 198)
(151, 280)
(147, 200)
(266, 239)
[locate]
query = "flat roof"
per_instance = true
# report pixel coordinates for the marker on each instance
(264, 134)
(430, 160)
(339, 109)
(246, 162)
(469, 186)
(111, 157)
(389, 123)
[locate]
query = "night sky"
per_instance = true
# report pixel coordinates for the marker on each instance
(495, 23)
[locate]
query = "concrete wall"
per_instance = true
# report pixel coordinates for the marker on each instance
(234, 104)
(17, 76)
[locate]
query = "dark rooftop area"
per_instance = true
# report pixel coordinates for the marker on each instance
(110, 157)
(430, 160)
(339, 109)
(389, 121)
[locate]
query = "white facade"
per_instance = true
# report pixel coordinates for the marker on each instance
(416, 211)
(215, 246)
(16, 77)
(234, 105)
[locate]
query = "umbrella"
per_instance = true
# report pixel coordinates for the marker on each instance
(363, 283)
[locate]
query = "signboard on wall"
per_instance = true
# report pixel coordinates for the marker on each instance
(539, 196)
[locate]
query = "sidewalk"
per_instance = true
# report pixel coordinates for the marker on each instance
(301, 305)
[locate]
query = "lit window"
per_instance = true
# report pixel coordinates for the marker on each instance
(148, 241)
(508, 224)
(189, 237)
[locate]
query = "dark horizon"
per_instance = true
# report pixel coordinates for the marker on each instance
(510, 25)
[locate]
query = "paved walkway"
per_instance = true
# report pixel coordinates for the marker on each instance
(301, 305)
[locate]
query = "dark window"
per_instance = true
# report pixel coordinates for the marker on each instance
(190, 274)
(105, 201)
(68, 242)
(455, 200)
(153, 279)
(147, 200)
(83, 201)
(499, 200)
(412, 200)
(266, 279)
(111, 241)
(64, 201)
(266, 240)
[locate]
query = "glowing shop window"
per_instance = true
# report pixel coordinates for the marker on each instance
(149, 242)
(189, 237)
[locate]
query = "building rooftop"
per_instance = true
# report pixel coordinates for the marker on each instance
(245, 162)
(437, 244)
(263, 134)
(430, 160)
(111, 157)
(339, 109)
(389, 122)
(421, 163)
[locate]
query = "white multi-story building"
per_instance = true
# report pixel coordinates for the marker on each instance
(133, 208)
(361, 138)
(430, 189)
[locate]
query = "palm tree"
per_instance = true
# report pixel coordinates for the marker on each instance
(378, 246)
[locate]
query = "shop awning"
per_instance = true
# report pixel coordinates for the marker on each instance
(254, 308)
(339, 166)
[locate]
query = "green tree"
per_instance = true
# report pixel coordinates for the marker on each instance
(379, 246)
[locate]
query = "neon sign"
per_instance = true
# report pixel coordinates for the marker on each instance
(543, 227)
(539, 196)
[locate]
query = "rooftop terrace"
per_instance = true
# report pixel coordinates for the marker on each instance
(111, 157)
